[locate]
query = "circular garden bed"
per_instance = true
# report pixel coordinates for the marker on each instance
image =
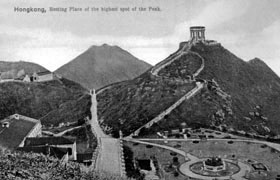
(230, 169)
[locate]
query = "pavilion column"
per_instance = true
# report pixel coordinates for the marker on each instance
(203, 34)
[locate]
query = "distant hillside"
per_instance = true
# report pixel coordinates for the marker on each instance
(103, 65)
(254, 88)
(68, 99)
(236, 94)
(16, 69)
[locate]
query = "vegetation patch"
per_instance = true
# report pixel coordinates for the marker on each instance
(19, 165)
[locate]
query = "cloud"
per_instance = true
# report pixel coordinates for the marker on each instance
(51, 58)
(53, 44)
(264, 44)
(53, 49)
(217, 12)
(268, 46)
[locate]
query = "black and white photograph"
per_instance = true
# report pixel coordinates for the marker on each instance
(139, 90)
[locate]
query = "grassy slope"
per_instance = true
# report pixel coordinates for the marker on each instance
(18, 68)
(27, 66)
(196, 112)
(69, 111)
(249, 84)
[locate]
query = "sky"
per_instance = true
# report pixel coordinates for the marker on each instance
(248, 28)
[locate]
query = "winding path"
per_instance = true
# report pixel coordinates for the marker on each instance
(183, 153)
(170, 59)
(198, 71)
(183, 51)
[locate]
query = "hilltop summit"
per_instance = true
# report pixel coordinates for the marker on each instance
(102, 65)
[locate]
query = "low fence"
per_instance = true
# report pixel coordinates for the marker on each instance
(122, 161)
(96, 154)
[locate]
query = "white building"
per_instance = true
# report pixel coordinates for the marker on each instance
(43, 76)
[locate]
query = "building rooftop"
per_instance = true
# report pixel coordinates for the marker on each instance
(84, 157)
(197, 27)
(43, 73)
(14, 129)
(41, 141)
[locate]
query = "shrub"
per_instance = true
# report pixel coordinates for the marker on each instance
(272, 150)
(177, 146)
(131, 170)
(175, 159)
(176, 174)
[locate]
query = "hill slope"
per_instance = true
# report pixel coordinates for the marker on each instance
(36, 100)
(16, 69)
(103, 65)
(237, 94)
